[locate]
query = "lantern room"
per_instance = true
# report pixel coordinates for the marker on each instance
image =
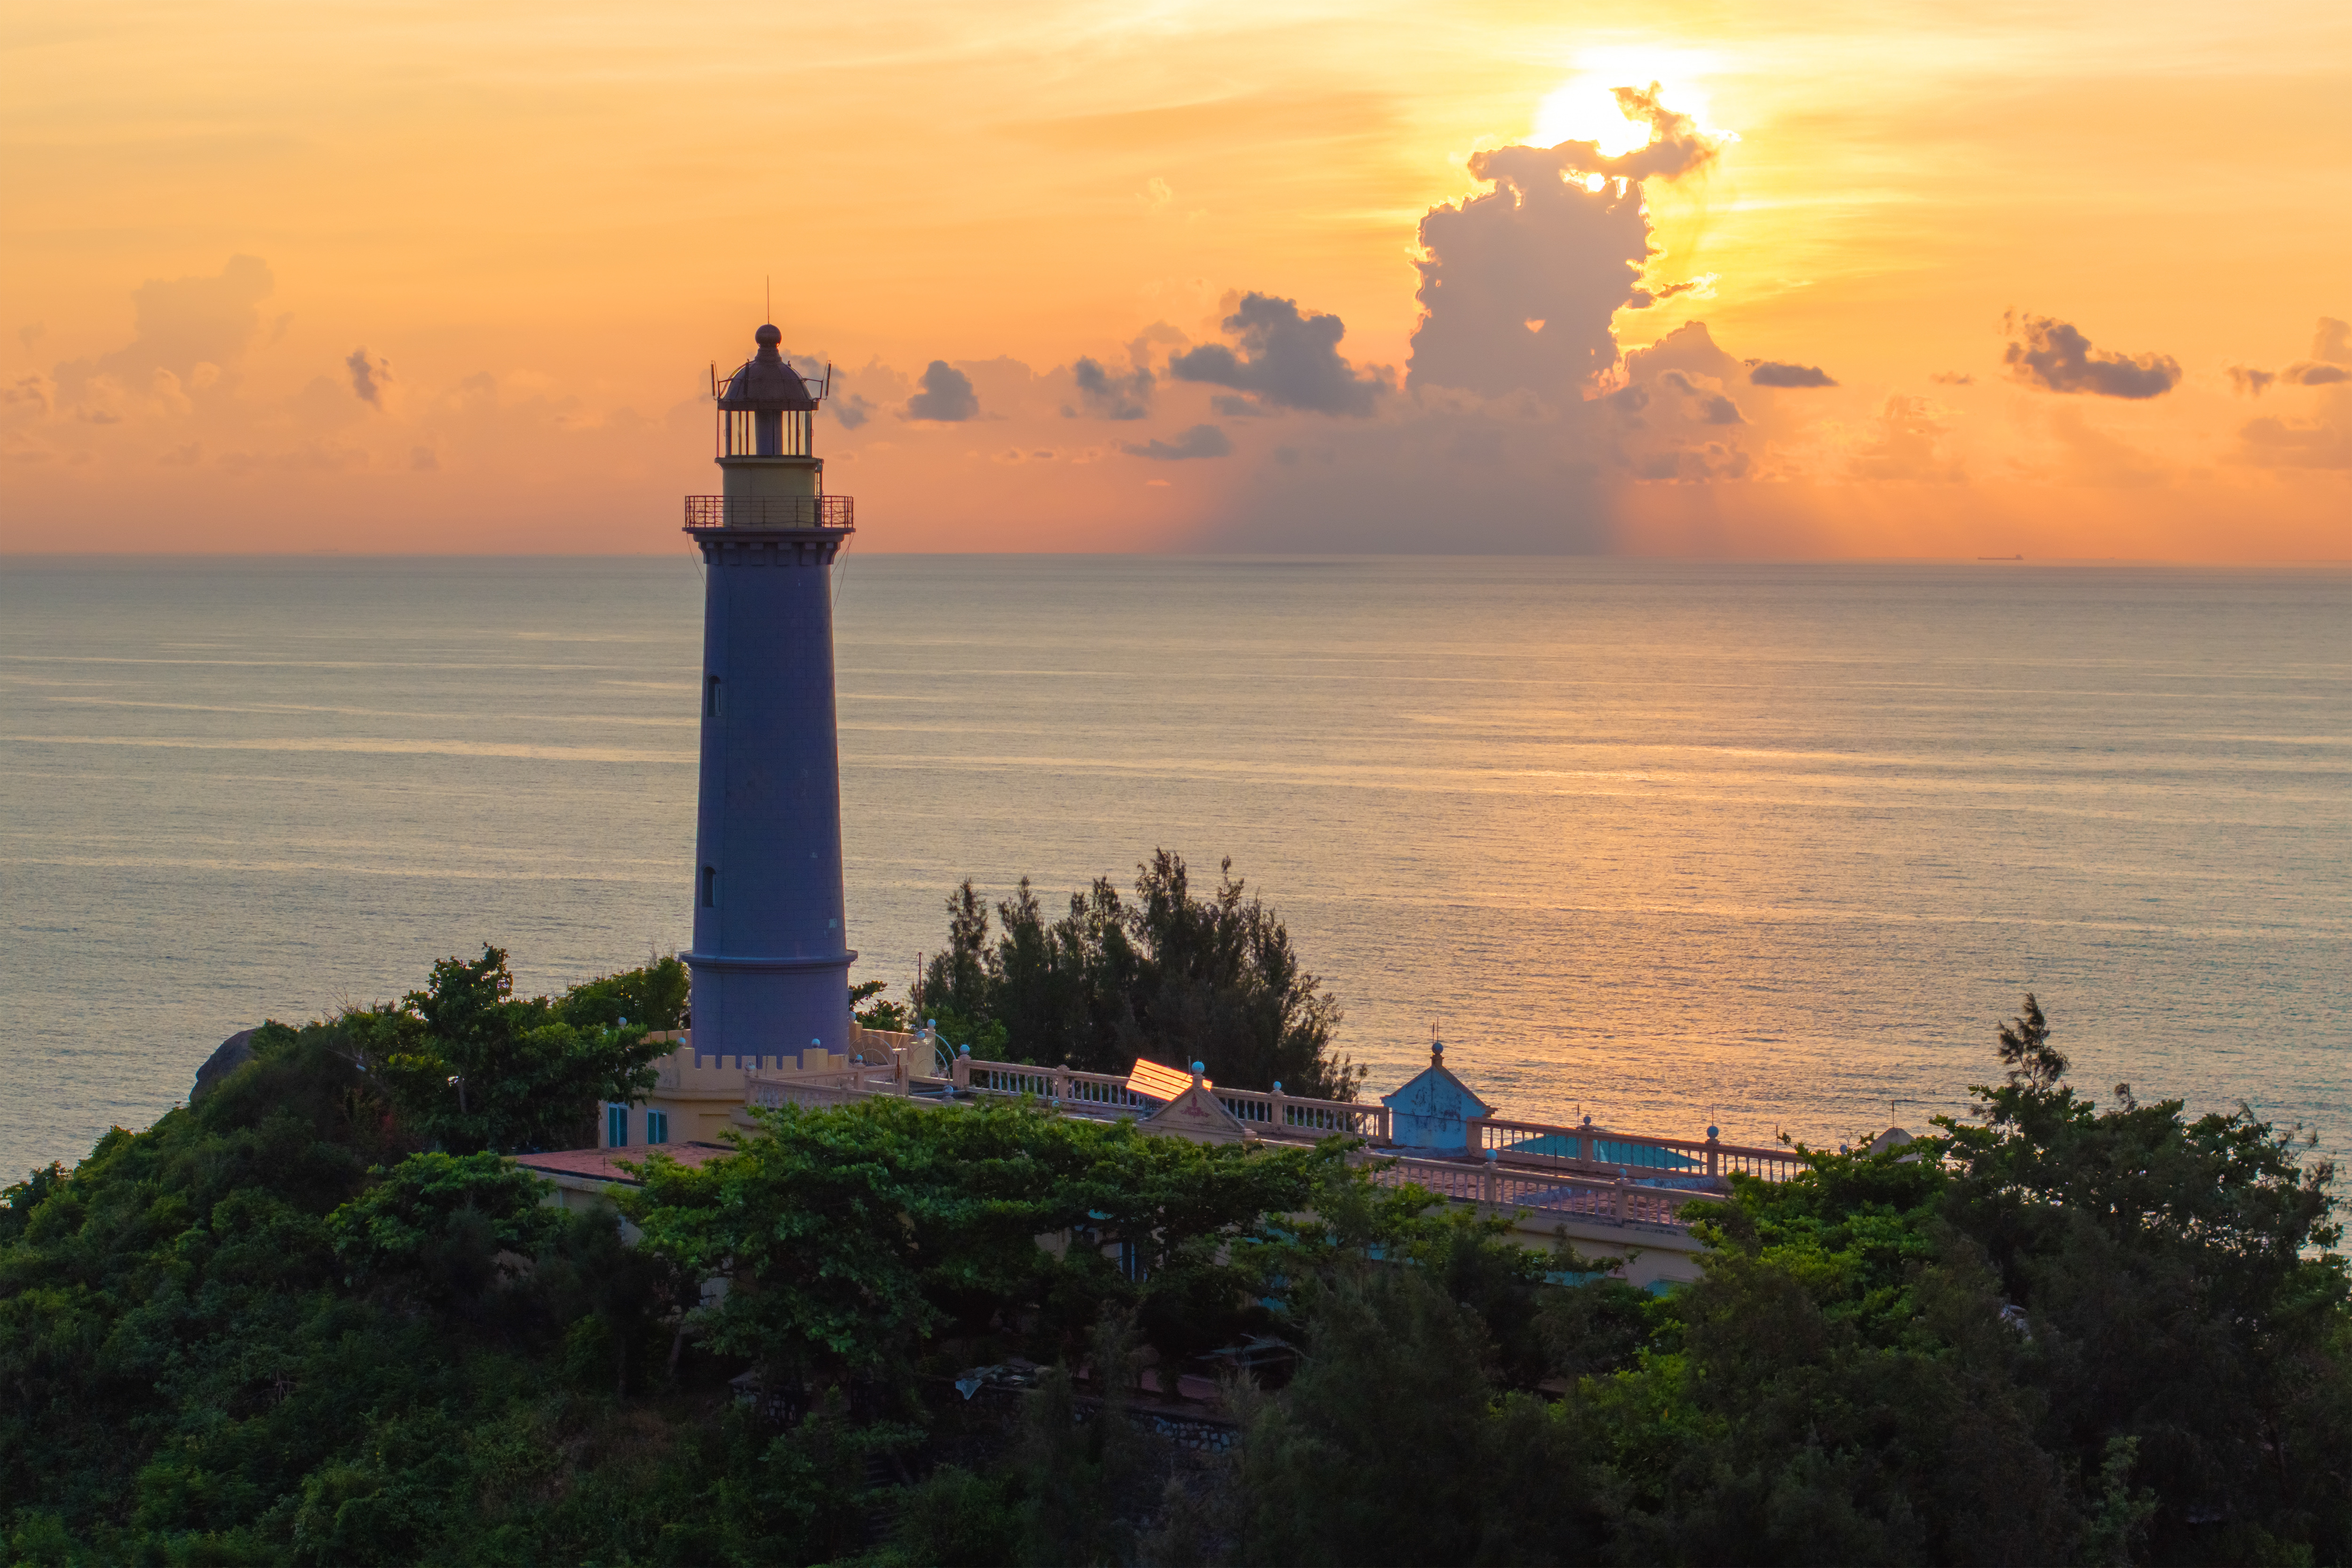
(766, 447)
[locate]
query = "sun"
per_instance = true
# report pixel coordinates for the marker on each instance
(1584, 108)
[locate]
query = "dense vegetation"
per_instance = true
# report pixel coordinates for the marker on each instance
(272, 1328)
(1173, 977)
(467, 1065)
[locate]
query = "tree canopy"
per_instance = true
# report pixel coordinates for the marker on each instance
(1172, 975)
(472, 1066)
(275, 1328)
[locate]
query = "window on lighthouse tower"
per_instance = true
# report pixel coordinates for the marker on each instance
(711, 886)
(710, 697)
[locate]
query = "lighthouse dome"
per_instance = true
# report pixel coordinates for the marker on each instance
(766, 383)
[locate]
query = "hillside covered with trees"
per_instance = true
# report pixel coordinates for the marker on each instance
(314, 1319)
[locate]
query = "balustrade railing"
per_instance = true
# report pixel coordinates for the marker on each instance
(1595, 1150)
(1622, 1201)
(1576, 1172)
(1287, 1116)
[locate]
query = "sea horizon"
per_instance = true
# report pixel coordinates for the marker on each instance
(1767, 845)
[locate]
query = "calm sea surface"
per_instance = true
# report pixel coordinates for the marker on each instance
(1769, 847)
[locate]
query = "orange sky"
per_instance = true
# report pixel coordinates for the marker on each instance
(449, 277)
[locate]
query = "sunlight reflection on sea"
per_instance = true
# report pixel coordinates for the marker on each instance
(1773, 846)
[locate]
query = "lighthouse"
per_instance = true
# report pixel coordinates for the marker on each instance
(771, 958)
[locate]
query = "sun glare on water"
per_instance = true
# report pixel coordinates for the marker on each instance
(1584, 108)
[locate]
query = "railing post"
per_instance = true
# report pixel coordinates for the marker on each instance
(1278, 1113)
(1714, 1153)
(1489, 1180)
(963, 1068)
(1622, 1185)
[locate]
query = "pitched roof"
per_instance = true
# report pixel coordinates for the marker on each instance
(1156, 1082)
(604, 1165)
(1435, 1073)
(1195, 1114)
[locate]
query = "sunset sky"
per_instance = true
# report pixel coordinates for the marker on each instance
(1859, 280)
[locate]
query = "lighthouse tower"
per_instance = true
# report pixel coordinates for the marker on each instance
(769, 961)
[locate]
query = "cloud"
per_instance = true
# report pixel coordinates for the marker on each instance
(1200, 441)
(1520, 284)
(2276, 444)
(368, 376)
(1109, 396)
(947, 395)
(1287, 360)
(851, 411)
(1953, 378)
(2330, 364)
(1905, 443)
(183, 323)
(2056, 355)
(35, 391)
(1774, 373)
(1699, 287)
(1676, 146)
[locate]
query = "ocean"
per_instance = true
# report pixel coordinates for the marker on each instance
(1774, 847)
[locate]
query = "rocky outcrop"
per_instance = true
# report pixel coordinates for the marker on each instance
(233, 1054)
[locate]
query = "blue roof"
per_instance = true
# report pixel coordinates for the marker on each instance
(1603, 1151)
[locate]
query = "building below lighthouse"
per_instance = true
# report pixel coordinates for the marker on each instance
(770, 957)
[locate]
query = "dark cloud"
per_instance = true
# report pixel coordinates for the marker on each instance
(1953, 378)
(947, 395)
(1287, 360)
(368, 376)
(1773, 372)
(1200, 441)
(1520, 283)
(1703, 286)
(2055, 355)
(851, 411)
(1109, 396)
(1719, 410)
(2304, 373)
(2250, 381)
(1233, 405)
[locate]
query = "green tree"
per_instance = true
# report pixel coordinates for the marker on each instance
(1173, 977)
(654, 997)
(2182, 1301)
(471, 1067)
(849, 1237)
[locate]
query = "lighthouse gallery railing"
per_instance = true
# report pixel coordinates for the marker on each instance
(769, 511)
